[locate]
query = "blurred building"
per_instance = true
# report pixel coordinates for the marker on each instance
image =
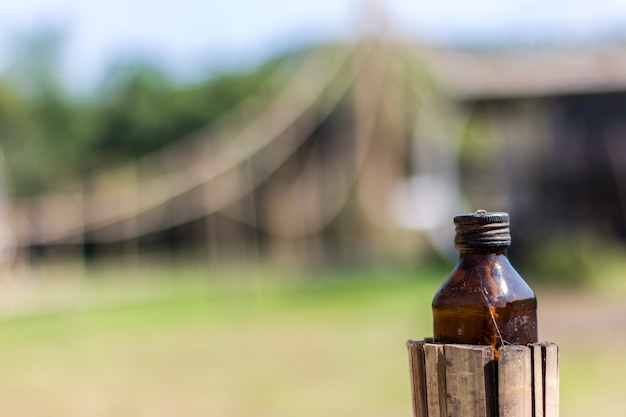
(553, 121)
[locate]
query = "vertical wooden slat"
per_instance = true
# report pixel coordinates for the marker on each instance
(514, 382)
(418, 377)
(538, 380)
(469, 381)
(551, 375)
(435, 380)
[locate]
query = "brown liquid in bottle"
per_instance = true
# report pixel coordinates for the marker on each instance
(484, 301)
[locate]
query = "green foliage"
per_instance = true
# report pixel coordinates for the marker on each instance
(48, 135)
(41, 137)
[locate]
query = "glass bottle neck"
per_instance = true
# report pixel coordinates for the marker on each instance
(483, 252)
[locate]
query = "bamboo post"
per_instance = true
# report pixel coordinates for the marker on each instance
(472, 381)
(515, 375)
(418, 377)
(469, 376)
(538, 390)
(435, 379)
(546, 364)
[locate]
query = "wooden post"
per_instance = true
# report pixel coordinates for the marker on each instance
(515, 375)
(470, 381)
(538, 372)
(435, 380)
(551, 378)
(418, 391)
(469, 373)
(546, 370)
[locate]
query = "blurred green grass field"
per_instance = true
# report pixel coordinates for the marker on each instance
(242, 343)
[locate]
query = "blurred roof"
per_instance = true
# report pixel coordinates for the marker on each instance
(484, 74)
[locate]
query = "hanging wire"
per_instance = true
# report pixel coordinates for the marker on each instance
(291, 109)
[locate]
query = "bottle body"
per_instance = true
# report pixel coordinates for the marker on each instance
(485, 302)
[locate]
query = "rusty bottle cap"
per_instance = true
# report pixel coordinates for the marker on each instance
(482, 230)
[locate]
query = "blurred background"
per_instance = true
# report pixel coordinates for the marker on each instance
(244, 209)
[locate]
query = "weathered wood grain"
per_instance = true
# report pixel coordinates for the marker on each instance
(537, 358)
(551, 375)
(418, 377)
(515, 382)
(450, 380)
(435, 380)
(469, 381)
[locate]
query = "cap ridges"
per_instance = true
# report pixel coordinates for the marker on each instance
(482, 230)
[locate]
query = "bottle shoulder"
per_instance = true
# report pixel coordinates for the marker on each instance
(483, 280)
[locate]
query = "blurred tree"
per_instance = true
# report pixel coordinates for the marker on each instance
(43, 130)
(50, 136)
(141, 108)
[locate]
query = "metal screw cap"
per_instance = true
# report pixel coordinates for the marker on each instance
(482, 230)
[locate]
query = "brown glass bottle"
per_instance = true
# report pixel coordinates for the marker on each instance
(484, 301)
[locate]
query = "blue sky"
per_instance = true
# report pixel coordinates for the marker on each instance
(195, 35)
